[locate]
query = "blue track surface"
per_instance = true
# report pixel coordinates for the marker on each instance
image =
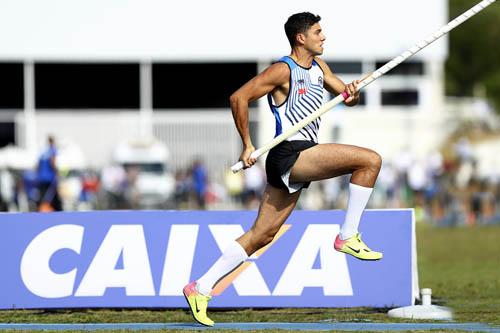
(476, 327)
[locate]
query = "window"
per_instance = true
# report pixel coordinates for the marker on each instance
(346, 67)
(362, 98)
(86, 85)
(7, 134)
(11, 86)
(400, 97)
(405, 68)
(198, 85)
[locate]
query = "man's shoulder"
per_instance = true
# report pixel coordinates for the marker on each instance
(279, 69)
(320, 62)
(280, 64)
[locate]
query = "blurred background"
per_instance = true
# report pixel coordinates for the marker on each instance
(135, 98)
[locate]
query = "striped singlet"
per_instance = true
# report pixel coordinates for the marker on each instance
(304, 97)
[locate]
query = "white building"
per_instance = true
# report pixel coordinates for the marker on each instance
(99, 72)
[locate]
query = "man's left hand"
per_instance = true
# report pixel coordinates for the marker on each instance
(352, 90)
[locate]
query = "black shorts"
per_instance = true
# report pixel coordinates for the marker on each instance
(281, 158)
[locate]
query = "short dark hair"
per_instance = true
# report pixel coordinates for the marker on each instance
(299, 23)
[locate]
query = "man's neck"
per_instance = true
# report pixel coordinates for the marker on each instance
(302, 57)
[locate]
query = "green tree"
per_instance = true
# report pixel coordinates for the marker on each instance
(474, 52)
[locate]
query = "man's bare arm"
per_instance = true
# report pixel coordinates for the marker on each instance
(336, 86)
(273, 77)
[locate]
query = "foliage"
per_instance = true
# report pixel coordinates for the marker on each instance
(474, 53)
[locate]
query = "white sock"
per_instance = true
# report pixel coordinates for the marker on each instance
(233, 256)
(358, 198)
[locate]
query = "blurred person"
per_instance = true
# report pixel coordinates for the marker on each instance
(181, 193)
(488, 209)
(465, 174)
(255, 181)
(434, 170)
(435, 164)
(6, 190)
(294, 86)
(387, 181)
(47, 179)
(402, 162)
(235, 185)
(331, 192)
(216, 193)
(132, 193)
(21, 199)
(417, 181)
(314, 198)
(29, 185)
(199, 180)
(114, 183)
(463, 150)
(90, 187)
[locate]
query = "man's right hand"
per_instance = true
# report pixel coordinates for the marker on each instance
(245, 157)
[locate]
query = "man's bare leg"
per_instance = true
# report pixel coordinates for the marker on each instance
(276, 206)
(331, 160)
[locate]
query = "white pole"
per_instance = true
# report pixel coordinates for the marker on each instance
(366, 81)
(30, 128)
(146, 101)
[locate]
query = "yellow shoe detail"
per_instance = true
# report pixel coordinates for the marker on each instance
(356, 248)
(197, 304)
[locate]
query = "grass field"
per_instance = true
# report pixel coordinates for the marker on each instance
(461, 265)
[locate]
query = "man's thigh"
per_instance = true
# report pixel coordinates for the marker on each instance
(330, 160)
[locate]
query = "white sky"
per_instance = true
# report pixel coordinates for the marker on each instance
(226, 30)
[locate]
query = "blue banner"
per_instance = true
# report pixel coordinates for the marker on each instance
(143, 259)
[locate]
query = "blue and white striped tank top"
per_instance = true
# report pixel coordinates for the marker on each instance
(304, 97)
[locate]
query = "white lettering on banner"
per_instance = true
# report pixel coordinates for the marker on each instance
(333, 275)
(178, 259)
(128, 241)
(250, 282)
(135, 277)
(35, 268)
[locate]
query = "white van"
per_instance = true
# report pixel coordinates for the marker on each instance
(154, 182)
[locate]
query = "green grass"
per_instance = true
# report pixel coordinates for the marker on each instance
(461, 265)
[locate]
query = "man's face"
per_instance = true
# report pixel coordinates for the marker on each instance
(314, 39)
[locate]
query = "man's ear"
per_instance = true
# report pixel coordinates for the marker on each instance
(300, 38)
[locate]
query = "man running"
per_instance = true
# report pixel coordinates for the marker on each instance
(294, 87)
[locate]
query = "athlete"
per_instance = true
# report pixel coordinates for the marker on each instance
(294, 87)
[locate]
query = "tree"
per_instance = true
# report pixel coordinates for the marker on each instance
(474, 57)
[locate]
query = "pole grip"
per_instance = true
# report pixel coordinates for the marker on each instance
(238, 166)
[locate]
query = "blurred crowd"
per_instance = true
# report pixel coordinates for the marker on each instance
(443, 191)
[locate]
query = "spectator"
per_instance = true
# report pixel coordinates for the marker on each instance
(114, 183)
(6, 190)
(199, 182)
(234, 183)
(254, 181)
(47, 179)
(182, 187)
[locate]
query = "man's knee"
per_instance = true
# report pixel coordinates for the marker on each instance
(375, 160)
